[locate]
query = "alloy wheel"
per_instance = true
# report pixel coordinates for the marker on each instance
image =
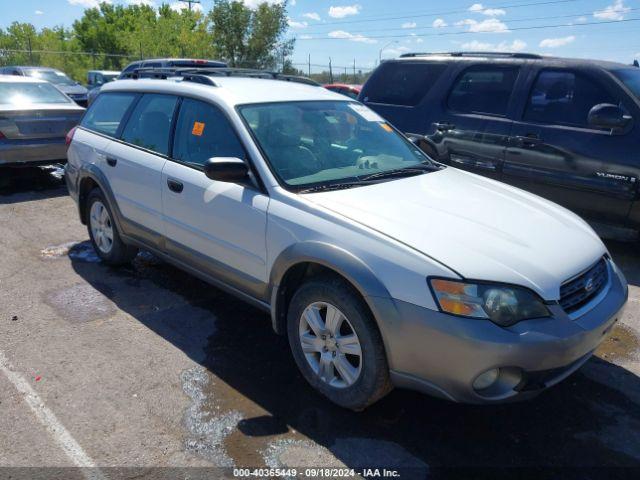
(330, 345)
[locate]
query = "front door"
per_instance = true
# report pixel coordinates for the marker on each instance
(556, 154)
(216, 226)
(472, 131)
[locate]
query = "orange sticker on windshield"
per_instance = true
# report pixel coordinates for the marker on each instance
(386, 127)
(198, 129)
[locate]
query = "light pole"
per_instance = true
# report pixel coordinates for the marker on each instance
(383, 48)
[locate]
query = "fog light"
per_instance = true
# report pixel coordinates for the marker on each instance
(486, 379)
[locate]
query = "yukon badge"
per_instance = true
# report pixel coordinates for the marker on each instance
(614, 176)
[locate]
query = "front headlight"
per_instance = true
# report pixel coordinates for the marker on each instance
(504, 305)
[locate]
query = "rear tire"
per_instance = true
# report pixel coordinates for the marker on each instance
(103, 232)
(336, 343)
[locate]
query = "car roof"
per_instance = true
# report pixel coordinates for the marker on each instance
(506, 57)
(19, 79)
(107, 72)
(33, 67)
(230, 90)
(342, 85)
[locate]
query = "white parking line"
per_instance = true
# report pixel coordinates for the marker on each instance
(60, 434)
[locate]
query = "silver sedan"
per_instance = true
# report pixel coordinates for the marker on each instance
(35, 118)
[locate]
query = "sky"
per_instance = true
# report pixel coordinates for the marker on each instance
(366, 30)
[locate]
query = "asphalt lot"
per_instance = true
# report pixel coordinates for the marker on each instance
(146, 366)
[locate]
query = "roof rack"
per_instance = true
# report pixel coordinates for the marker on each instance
(204, 75)
(475, 54)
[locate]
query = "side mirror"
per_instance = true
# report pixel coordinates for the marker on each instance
(607, 115)
(226, 169)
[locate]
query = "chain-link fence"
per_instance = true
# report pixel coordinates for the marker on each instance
(77, 63)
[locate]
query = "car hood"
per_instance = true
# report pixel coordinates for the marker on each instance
(72, 89)
(480, 228)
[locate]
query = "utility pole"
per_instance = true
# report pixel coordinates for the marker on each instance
(330, 72)
(191, 2)
(30, 49)
(309, 65)
(354, 71)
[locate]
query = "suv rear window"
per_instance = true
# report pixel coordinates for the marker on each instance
(402, 83)
(483, 89)
(106, 112)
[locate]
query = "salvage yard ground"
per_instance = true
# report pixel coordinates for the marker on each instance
(146, 366)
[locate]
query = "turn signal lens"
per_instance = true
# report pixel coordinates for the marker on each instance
(458, 298)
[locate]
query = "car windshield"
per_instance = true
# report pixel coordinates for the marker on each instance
(23, 93)
(54, 76)
(313, 143)
(109, 77)
(631, 78)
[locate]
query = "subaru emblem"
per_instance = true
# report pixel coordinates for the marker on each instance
(588, 286)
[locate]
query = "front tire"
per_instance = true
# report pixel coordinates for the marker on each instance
(104, 233)
(336, 343)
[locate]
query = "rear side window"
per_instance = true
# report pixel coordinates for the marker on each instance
(565, 98)
(107, 111)
(483, 89)
(203, 132)
(402, 83)
(150, 123)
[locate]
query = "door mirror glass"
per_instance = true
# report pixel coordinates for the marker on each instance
(226, 169)
(607, 115)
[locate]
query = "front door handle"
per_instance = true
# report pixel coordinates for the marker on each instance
(444, 126)
(175, 186)
(112, 162)
(527, 141)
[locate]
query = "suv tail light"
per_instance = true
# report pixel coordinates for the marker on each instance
(69, 137)
(2, 135)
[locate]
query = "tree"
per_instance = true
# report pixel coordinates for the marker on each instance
(250, 38)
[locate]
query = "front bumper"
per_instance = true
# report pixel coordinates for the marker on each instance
(22, 152)
(443, 355)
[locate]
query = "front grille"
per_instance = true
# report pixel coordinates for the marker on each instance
(577, 292)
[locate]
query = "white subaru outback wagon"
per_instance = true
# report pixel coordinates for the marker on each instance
(381, 266)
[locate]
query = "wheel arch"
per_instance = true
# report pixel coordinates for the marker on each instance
(91, 177)
(304, 260)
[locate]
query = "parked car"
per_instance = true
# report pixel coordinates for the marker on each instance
(351, 91)
(383, 267)
(160, 63)
(71, 88)
(97, 78)
(564, 129)
(34, 119)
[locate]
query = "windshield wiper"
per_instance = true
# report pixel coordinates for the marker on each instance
(402, 172)
(333, 186)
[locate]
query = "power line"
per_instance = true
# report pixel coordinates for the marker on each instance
(449, 12)
(518, 20)
(467, 32)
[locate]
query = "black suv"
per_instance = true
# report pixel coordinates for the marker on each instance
(561, 128)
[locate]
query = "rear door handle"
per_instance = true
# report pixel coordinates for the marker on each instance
(112, 161)
(444, 126)
(175, 186)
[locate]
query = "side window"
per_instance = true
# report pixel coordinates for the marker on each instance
(483, 89)
(402, 83)
(564, 97)
(150, 123)
(203, 132)
(106, 112)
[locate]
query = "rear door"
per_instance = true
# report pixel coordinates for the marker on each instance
(473, 128)
(556, 154)
(218, 226)
(134, 164)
